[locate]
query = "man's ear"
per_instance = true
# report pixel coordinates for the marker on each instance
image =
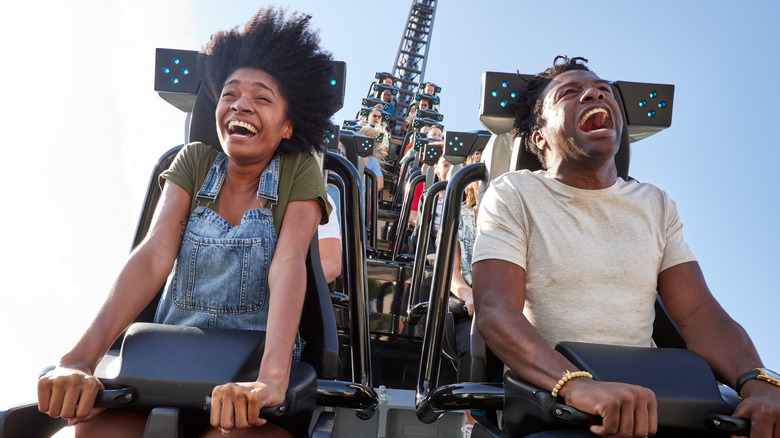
(538, 139)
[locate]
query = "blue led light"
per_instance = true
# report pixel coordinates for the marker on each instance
(461, 143)
(166, 70)
(505, 84)
(653, 94)
(662, 104)
(450, 143)
(456, 148)
(651, 113)
(333, 82)
(175, 80)
(185, 70)
(503, 103)
(642, 102)
(457, 138)
(495, 93)
(176, 60)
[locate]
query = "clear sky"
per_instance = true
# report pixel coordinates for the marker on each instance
(82, 128)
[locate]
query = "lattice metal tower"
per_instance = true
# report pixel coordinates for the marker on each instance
(409, 67)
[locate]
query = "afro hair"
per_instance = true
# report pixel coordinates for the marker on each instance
(286, 48)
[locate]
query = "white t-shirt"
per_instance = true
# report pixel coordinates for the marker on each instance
(592, 257)
(331, 229)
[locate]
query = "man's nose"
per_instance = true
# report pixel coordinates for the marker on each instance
(592, 93)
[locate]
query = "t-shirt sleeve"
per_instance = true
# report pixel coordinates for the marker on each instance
(184, 168)
(676, 250)
(501, 226)
(417, 195)
(308, 184)
(373, 165)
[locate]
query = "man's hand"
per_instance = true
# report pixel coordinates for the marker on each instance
(761, 405)
(626, 410)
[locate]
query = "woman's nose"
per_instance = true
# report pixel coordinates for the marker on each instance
(240, 105)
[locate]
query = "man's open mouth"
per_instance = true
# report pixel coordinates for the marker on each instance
(595, 120)
(241, 129)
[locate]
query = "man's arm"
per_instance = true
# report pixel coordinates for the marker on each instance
(499, 297)
(724, 344)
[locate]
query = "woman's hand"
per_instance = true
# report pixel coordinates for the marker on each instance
(237, 405)
(470, 304)
(69, 391)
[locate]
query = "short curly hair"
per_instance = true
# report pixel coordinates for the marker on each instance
(528, 106)
(286, 48)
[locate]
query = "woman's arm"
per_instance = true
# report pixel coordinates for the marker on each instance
(458, 286)
(72, 383)
(237, 405)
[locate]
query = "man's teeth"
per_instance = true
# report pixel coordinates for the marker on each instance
(589, 124)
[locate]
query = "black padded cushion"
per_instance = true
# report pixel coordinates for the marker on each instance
(682, 381)
(202, 120)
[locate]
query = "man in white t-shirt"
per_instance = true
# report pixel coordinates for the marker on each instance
(576, 253)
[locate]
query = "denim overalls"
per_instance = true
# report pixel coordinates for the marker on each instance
(220, 278)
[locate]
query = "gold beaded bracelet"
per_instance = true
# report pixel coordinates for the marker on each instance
(568, 375)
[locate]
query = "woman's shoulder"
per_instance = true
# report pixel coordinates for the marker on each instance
(297, 160)
(199, 150)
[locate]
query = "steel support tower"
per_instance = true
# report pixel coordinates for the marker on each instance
(409, 66)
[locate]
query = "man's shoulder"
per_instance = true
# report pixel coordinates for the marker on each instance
(519, 178)
(643, 189)
(522, 183)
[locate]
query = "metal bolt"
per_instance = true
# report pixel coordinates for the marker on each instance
(282, 408)
(716, 422)
(559, 412)
(128, 396)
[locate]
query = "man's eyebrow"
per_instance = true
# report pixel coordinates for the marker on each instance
(579, 83)
(256, 84)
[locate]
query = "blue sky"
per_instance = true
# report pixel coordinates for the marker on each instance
(83, 127)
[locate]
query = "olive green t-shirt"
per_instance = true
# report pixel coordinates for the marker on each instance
(300, 179)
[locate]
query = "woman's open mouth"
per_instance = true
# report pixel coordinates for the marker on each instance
(241, 129)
